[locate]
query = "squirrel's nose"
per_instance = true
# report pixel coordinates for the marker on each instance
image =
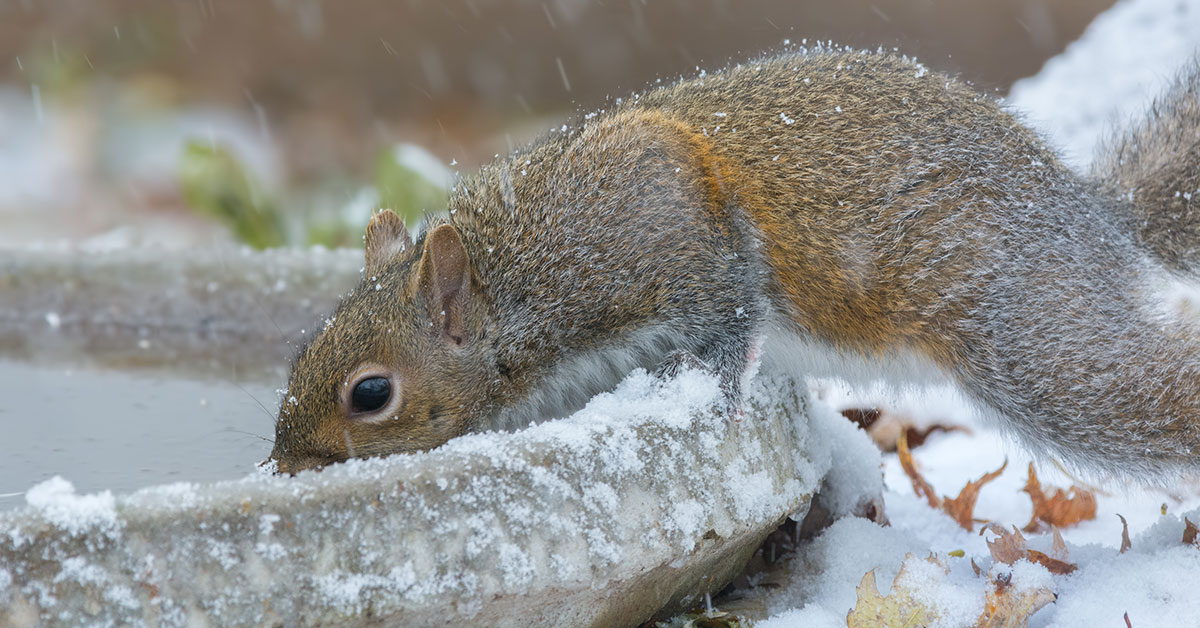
(294, 465)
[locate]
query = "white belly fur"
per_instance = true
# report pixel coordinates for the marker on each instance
(784, 351)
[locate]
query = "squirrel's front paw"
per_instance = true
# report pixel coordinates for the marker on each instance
(677, 361)
(682, 359)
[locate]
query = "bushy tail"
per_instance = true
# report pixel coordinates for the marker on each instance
(1156, 165)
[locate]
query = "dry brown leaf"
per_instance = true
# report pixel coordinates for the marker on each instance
(920, 486)
(1010, 607)
(1125, 544)
(1009, 547)
(917, 436)
(862, 417)
(885, 428)
(898, 609)
(1093, 489)
(1059, 508)
(1190, 533)
(962, 508)
(1060, 567)
(1059, 548)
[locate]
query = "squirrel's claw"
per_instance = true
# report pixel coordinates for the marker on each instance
(677, 361)
(682, 359)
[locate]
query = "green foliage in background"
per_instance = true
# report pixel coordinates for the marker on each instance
(217, 185)
(405, 190)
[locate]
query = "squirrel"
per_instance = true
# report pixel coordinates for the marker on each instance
(860, 212)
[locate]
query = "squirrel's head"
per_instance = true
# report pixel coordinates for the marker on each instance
(404, 364)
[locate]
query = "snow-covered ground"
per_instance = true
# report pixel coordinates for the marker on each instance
(1154, 582)
(1126, 57)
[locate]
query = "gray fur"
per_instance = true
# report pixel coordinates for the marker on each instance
(1155, 168)
(849, 205)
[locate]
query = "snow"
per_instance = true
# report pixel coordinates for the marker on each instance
(555, 517)
(56, 501)
(1125, 58)
(952, 597)
(1154, 581)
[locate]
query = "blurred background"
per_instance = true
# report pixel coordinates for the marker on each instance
(193, 122)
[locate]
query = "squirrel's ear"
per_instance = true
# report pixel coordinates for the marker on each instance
(445, 281)
(386, 237)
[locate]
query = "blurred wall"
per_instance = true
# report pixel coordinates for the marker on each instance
(334, 82)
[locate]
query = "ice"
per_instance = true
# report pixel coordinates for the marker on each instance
(648, 495)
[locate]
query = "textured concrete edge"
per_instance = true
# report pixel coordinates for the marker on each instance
(172, 310)
(584, 521)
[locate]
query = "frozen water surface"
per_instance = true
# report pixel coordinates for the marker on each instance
(141, 366)
(220, 312)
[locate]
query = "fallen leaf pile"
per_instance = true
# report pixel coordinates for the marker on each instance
(1008, 604)
(1056, 508)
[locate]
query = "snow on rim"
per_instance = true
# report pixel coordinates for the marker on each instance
(551, 524)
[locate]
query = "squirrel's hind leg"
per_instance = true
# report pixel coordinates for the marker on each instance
(681, 360)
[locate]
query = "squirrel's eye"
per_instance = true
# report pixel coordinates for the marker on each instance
(370, 394)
